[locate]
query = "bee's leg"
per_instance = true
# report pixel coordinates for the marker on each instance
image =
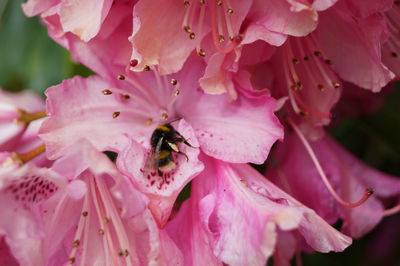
(160, 173)
(182, 139)
(184, 154)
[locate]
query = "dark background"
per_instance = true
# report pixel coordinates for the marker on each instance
(29, 59)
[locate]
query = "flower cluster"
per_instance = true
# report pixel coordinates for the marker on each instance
(185, 95)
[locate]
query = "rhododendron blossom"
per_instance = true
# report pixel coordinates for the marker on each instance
(234, 132)
(147, 161)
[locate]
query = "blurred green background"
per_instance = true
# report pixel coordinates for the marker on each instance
(29, 59)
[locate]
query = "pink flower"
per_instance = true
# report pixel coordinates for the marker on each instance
(17, 111)
(181, 28)
(347, 175)
(80, 211)
(122, 114)
(235, 216)
(6, 258)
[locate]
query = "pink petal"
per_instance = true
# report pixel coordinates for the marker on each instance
(355, 52)
(240, 131)
(83, 18)
(365, 8)
(90, 116)
(286, 17)
(152, 42)
(34, 7)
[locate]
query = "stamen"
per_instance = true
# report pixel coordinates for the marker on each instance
(307, 146)
(391, 211)
(116, 114)
(30, 155)
(121, 77)
(106, 92)
(25, 118)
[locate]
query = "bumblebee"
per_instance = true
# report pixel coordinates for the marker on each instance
(164, 141)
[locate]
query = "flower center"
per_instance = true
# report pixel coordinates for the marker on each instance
(221, 24)
(152, 101)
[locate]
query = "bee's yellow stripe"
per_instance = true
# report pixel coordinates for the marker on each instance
(163, 128)
(164, 154)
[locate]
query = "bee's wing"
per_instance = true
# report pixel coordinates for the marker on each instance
(153, 158)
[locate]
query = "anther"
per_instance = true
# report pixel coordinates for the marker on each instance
(192, 35)
(71, 260)
(106, 92)
(244, 182)
(221, 38)
(306, 58)
(321, 87)
(335, 84)
(186, 4)
(187, 29)
(230, 11)
(146, 68)
(219, 3)
(116, 114)
(125, 97)
(85, 213)
(164, 116)
(148, 122)
(176, 92)
(393, 54)
(126, 253)
(106, 221)
(231, 38)
(201, 52)
(174, 82)
(299, 85)
(120, 252)
(202, 2)
(101, 232)
(76, 243)
(328, 62)
(121, 77)
(295, 61)
(133, 62)
(317, 54)
(302, 113)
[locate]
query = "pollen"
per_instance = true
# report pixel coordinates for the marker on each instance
(116, 114)
(120, 252)
(329, 62)
(85, 213)
(71, 260)
(192, 35)
(76, 243)
(221, 38)
(230, 11)
(244, 182)
(202, 2)
(148, 122)
(201, 52)
(317, 53)
(125, 97)
(121, 77)
(186, 4)
(295, 61)
(219, 3)
(106, 92)
(106, 220)
(176, 92)
(164, 116)
(174, 82)
(146, 68)
(101, 232)
(335, 84)
(321, 87)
